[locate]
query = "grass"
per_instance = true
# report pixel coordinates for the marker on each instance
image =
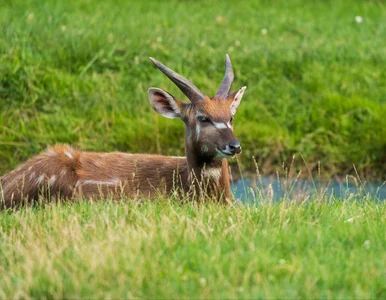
(161, 249)
(78, 72)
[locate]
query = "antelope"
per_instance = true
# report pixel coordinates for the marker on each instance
(65, 172)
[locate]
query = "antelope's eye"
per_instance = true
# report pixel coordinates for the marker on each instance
(203, 120)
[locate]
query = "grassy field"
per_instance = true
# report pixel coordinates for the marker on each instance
(332, 250)
(78, 72)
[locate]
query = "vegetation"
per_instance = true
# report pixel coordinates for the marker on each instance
(78, 72)
(165, 250)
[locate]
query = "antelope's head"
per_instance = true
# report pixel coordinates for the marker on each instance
(208, 121)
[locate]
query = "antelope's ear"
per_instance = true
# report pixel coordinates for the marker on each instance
(237, 96)
(164, 103)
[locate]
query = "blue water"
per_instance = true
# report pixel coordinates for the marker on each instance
(270, 188)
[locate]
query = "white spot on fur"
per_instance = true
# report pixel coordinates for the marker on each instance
(198, 131)
(52, 179)
(179, 157)
(204, 148)
(29, 169)
(113, 181)
(220, 125)
(63, 172)
(40, 179)
(51, 152)
(68, 154)
(213, 173)
(31, 176)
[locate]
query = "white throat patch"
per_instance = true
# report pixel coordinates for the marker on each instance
(212, 173)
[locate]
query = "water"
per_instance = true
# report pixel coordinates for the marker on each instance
(274, 189)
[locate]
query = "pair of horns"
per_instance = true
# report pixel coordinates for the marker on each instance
(190, 90)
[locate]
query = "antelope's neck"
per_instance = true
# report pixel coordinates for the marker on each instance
(211, 178)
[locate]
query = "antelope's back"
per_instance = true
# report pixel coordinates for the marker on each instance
(65, 172)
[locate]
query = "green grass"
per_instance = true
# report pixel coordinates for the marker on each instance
(78, 72)
(161, 249)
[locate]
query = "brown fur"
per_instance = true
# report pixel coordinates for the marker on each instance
(63, 171)
(49, 173)
(216, 108)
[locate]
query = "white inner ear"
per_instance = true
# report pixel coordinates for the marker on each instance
(163, 103)
(237, 100)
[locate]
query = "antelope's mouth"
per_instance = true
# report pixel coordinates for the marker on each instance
(225, 153)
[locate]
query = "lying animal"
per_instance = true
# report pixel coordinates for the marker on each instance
(65, 172)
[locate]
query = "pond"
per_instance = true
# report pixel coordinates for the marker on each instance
(274, 189)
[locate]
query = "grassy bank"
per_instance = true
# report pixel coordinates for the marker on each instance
(165, 250)
(78, 72)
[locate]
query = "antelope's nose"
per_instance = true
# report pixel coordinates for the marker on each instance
(235, 147)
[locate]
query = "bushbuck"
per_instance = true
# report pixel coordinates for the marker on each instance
(65, 172)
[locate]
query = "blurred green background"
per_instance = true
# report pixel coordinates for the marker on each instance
(78, 72)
